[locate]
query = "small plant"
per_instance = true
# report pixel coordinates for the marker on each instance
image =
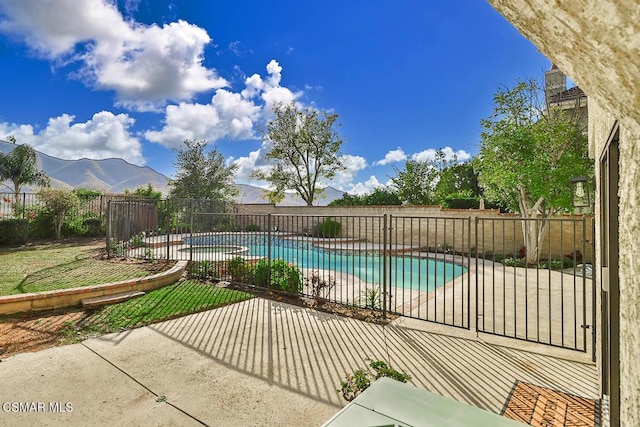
(371, 298)
(320, 287)
(239, 269)
(279, 275)
(328, 228)
(360, 380)
(514, 262)
(557, 264)
(137, 241)
(198, 270)
(444, 248)
(149, 254)
(252, 227)
(116, 250)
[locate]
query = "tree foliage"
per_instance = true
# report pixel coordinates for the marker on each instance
(304, 150)
(146, 192)
(459, 181)
(378, 197)
(19, 167)
(59, 203)
(529, 151)
(201, 174)
(417, 182)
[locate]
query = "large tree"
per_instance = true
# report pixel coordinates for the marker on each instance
(19, 167)
(415, 184)
(304, 148)
(202, 174)
(528, 154)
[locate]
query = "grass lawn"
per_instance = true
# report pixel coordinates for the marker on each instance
(49, 266)
(181, 298)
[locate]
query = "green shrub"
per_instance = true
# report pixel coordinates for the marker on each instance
(93, 227)
(514, 262)
(557, 264)
(360, 380)
(13, 231)
(239, 269)
(280, 275)
(252, 227)
(204, 269)
(328, 228)
(41, 224)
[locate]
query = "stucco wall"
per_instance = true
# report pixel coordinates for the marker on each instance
(629, 220)
(597, 44)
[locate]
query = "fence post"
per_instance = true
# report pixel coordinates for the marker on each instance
(191, 231)
(269, 251)
(469, 272)
(477, 273)
(384, 266)
(167, 219)
(108, 233)
(24, 205)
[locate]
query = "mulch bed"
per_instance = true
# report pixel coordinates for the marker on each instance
(540, 406)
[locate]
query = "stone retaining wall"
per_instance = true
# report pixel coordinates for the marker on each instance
(70, 297)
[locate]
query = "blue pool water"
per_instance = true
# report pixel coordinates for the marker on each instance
(418, 273)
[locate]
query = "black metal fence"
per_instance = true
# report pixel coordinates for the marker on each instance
(457, 271)
(88, 215)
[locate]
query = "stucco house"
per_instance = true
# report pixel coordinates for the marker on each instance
(597, 44)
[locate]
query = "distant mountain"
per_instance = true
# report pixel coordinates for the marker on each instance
(256, 195)
(108, 175)
(116, 175)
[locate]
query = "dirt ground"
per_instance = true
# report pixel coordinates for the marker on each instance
(36, 331)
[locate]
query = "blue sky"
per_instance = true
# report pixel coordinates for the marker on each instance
(133, 79)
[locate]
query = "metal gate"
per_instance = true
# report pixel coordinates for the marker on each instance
(542, 294)
(429, 268)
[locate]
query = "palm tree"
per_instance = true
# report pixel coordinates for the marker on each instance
(19, 167)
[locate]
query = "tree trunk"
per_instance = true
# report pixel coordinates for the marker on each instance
(533, 228)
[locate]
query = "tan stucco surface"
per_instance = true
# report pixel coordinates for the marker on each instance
(597, 44)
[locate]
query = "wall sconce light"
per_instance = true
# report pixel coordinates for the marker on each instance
(580, 192)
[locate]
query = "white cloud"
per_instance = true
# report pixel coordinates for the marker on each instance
(392, 156)
(430, 154)
(256, 161)
(344, 179)
(145, 65)
(247, 165)
(366, 187)
(105, 135)
(229, 115)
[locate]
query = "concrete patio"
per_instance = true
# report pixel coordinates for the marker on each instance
(261, 362)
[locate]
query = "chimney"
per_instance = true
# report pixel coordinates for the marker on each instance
(555, 82)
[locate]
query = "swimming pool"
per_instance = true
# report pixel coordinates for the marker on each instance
(416, 273)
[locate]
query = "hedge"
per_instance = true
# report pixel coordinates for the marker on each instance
(13, 231)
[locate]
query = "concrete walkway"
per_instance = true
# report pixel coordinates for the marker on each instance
(261, 362)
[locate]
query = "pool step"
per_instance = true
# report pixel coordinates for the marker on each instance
(110, 299)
